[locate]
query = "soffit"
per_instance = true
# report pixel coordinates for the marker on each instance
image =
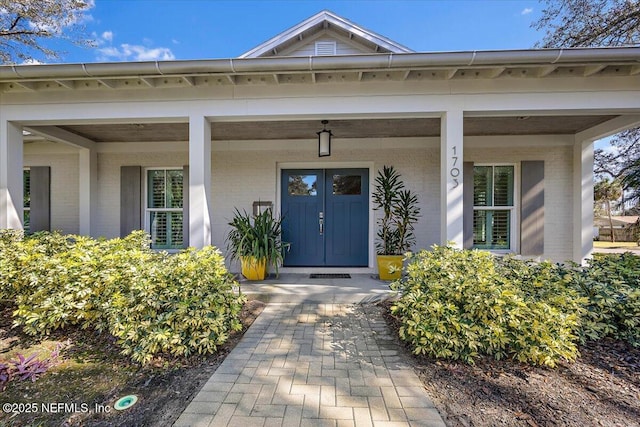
(352, 128)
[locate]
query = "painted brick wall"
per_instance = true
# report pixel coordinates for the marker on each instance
(64, 188)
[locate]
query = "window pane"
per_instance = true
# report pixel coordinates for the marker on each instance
(480, 229)
(156, 190)
(176, 229)
(26, 177)
(347, 184)
(159, 230)
(482, 185)
(503, 191)
(26, 216)
(166, 230)
(492, 229)
(303, 185)
(174, 197)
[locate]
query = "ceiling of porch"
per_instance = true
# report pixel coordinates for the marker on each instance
(343, 128)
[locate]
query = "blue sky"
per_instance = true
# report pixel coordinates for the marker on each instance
(129, 30)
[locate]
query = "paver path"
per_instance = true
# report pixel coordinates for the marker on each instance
(314, 365)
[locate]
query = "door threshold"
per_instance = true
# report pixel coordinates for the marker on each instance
(328, 270)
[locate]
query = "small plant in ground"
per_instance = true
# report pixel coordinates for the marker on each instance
(460, 304)
(26, 368)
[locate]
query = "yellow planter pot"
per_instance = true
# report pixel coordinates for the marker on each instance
(253, 269)
(390, 267)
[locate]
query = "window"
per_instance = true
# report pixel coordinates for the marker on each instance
(303, 185)
(347, 184)
(493, 206)
(164, 208)
(26, 197)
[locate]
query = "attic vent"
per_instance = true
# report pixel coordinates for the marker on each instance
(325, 48)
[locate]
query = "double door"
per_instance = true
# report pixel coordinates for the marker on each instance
(325, 217)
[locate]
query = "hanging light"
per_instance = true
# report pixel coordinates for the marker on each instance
(324, 140)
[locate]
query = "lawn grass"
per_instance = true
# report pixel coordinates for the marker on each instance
(611, 245)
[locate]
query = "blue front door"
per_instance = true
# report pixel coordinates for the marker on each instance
(326, 217)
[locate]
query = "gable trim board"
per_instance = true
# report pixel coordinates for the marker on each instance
(319, 22)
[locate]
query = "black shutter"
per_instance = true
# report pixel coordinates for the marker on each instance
(532, 208)
(185, 206)
(467, 205)
(40, 198)
(130, 199)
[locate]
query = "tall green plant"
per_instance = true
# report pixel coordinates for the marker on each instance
(400, 212)
(257, 236)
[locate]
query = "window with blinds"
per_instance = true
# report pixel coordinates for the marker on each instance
(493, 195)
(164, 207)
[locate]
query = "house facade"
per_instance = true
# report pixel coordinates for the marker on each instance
(498, 145)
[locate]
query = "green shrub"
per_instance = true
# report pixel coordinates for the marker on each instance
(460, 304)
(152, 302)
(611, 285)
(68, 280)
(186, 305)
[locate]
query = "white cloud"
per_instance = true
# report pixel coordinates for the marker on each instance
(107, 36)
(526, 11)
(132, 52)
(32, 61)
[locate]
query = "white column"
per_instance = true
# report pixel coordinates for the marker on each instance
(11, 181)
(582, 200)
(199, 182)
(451, 182)
(88, 180)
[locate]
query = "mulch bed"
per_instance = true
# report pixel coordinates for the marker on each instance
(602, 388)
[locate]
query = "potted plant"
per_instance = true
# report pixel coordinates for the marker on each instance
(255, 240)
(400, 212)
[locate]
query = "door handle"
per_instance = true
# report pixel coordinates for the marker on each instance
(321, 222)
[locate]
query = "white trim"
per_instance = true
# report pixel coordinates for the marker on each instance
(333, 165)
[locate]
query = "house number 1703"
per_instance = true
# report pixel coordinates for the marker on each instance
(454, 171)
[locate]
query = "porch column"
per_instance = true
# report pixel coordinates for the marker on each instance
(88, 171)
(11, 180)
(199, 182)
(582, 200)
(451, 179)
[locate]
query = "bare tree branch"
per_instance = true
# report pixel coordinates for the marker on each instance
(26, 25)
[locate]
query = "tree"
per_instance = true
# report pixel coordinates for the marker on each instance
(582, 23)
(621, 162)
(590, 23)
(25, 26)
(606, 191)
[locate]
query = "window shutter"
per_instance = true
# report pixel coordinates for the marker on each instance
(40, 198)
(185, 206)
(467, 204)
(130, 199)
(532, 208)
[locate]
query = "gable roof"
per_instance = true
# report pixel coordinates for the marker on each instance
(325, 21)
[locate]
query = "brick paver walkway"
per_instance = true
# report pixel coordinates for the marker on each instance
(314, 365)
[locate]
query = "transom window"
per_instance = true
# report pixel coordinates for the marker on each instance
(164, 208)
(493, 206)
